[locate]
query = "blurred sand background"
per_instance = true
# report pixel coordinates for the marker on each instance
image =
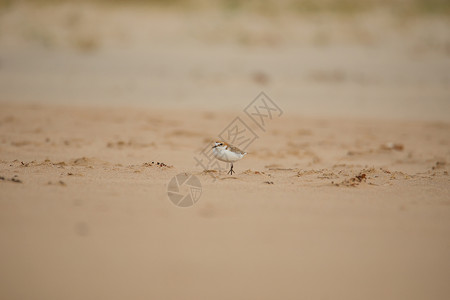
(345, 196)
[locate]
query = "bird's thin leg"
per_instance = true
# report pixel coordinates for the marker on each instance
(231, 170)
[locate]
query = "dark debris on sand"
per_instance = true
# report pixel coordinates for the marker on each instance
(157, 164)
(353, 181)
(12, 179)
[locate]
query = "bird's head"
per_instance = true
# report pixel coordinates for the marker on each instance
(220, 145)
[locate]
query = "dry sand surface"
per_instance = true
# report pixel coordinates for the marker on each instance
(344, 196)
(319, 208)
(369, 65)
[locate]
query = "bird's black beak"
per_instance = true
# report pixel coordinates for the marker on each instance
(214, 146)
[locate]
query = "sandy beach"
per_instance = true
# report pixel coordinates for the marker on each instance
(82, 204)
(345, 194)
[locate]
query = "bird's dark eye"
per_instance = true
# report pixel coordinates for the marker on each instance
(220, 144)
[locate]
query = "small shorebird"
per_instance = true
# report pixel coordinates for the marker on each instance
(224, 152)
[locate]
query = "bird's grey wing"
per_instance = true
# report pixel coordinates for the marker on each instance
(237, 150)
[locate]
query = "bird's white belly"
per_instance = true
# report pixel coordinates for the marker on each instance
(226, 155)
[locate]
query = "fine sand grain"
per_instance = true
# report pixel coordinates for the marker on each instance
(346, 195)
(319, 208)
